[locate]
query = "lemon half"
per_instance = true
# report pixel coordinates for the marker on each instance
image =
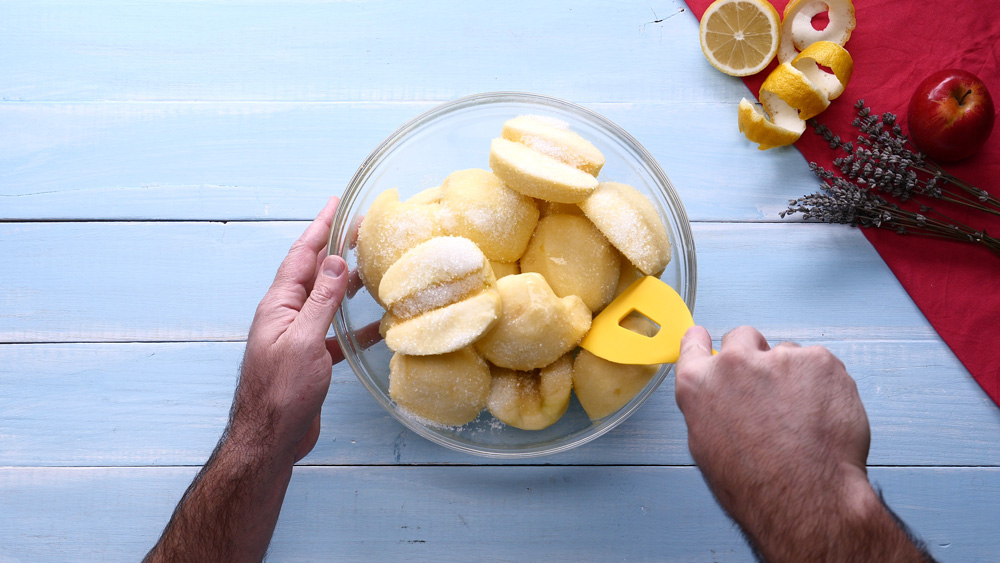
(740, 37)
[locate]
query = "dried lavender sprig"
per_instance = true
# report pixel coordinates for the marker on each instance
(841, 201)
(884, 159)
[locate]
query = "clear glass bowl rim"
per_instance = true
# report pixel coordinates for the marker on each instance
(342, 220)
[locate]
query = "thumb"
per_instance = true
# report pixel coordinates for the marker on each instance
(693, 364)
(328, 291)
(695, 345)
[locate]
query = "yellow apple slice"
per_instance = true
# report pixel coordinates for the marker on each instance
(535, 326)
(631, 223)
(481, 208)
(603, 387)
(440, 295)
(449, 389)
(435, 273)
(554, 138)
(531, 400)
(444, 329)
(536, 174)
(389, 229)
(575, 258)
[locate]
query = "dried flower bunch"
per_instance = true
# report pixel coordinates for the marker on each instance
(883, 161)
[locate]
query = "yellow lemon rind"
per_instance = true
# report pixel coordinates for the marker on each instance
(757, 128)
(792, 86)
(832, 56)
(797, 31)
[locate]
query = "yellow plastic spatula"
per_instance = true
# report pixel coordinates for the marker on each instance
(654, 300)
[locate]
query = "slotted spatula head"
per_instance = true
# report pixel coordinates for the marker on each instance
(654, 300)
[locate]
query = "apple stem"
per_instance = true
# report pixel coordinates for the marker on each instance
(962, 99)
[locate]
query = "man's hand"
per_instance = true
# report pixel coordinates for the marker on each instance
(781, 437)
(230, 510)
(286, 368)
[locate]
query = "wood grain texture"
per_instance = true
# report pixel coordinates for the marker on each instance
(167, 403)
(423, 513)
(156, 118)
(261, 161)
(592, 51)
(158, 158)
(141, 281)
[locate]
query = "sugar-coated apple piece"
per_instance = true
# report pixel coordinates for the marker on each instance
(538, 175)
(481, 208)
(448, 389)
(388, 321)
(575, 258)
(536, 327)
(531, 400)
(546, 208)
(501, 269)
(430, 195)
(389, 229)
(554, 138)
(630, 274)
(435, 273)
(441, 295)
(441, 330)
(630, 221)
(603, 387)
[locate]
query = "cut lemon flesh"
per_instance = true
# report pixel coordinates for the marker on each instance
(740, 37)
(797, 31)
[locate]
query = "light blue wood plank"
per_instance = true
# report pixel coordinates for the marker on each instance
(135, 404)
(137, 281)
(352, 51)
(258, 111)
(232, 161)
(67, 282)
(800, 281)
(167, 403)
(464, 513)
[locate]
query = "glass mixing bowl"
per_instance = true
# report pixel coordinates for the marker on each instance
(456, 136)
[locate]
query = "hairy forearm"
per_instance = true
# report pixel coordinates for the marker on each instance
(230, 510)
(854, 526)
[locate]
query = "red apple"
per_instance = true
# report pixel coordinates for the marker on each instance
(950, 115)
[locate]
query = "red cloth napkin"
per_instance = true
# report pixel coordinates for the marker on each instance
(895, 46)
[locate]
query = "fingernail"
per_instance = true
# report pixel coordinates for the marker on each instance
(334, 266)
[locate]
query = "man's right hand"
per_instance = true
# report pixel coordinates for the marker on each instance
(781, 437)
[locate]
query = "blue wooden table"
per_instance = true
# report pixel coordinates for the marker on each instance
(158, 158)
